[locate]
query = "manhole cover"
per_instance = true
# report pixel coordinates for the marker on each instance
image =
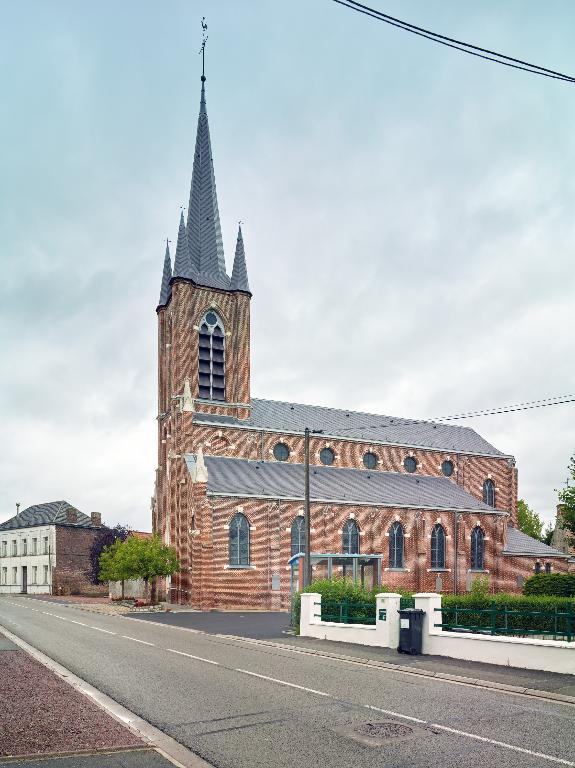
(383, 730)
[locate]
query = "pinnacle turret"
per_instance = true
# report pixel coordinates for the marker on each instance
(239, 280)
(165, 290)
(182, 264)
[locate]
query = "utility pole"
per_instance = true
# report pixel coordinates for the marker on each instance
(307, 574)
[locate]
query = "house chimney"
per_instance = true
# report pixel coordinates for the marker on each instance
(96, 518)
(71, 516)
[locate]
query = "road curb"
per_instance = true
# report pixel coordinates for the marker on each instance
(167, 746)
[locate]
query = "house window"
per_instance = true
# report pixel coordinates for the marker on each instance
(24, 546)
(297, 536)
(14, 547)
(350, 538)
(4, 549)
(489, 492)
(477, 549)
(45, 545)
(447, 468)
(396, 545)
(211, 358)
(538, 567)
(34, 546)
(409, 464)
(4, 575)
(281, 452)
(34, 574)
(239, 541)
(369, 460)
(14, 575)
(45, 574)
(326, 456)
(438, 546)
(547, 567)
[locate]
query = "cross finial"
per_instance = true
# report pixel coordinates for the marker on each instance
(203, 48)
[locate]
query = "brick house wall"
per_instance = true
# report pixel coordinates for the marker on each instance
(71, 574)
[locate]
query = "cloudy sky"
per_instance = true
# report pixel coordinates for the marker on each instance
(409, 220)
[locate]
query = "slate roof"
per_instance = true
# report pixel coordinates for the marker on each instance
(277, 416)
(50, 513)
(203, 226)
(519, 543)
(276, 479)
(240, 273)
(165, 289)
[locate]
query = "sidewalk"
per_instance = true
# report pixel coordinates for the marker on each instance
(553, 686)
(43, 718)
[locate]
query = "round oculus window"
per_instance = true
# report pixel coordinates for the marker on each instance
(369, 460)
(409, 464)
(281, 452)
(211, 318)
(326, 456)
(447, 468)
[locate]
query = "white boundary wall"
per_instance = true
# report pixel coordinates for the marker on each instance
(384, 633)
(524, 653)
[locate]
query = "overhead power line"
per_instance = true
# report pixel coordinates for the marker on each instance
(544, 403)
(459, 45)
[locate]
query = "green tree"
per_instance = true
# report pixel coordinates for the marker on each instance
(146, 558)
(548, 534)
(529, 521)
(112, 565)
(567, 501)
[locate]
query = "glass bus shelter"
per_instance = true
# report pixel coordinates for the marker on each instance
(364, 570)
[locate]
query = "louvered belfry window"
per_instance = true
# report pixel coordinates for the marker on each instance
(211, 363)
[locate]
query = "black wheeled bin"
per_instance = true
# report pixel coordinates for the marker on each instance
(410, 630)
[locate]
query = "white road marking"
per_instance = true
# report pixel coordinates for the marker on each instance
(396, 714)
(135, 639)
(99, 629)
(283, 682)
(512, 747)
(191, 656)
(73, 621)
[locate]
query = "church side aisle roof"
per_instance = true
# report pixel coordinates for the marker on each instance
(519, 543)
(242, 477)
(274, 415)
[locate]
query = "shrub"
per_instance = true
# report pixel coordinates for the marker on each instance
(360, 601)
(543, 620)
(560, 584)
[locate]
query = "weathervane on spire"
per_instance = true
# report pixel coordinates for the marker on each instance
(203, 48)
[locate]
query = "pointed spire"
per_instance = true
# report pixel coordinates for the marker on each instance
(240, 272)
(182, 265)
(165, 290)
(203, 228)
(201, 471)
(187, 400)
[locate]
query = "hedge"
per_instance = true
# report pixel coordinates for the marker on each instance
(523, 620)
(560, 584)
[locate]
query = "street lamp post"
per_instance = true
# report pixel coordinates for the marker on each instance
(307, 575)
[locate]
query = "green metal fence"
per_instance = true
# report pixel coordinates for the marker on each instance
(347, 612)
(499, 620)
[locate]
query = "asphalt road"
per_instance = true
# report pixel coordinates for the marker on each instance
(263, 625)
(240, 704)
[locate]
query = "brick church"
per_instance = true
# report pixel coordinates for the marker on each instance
(410, 504)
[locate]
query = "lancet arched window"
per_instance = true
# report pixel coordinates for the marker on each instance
(350, 538)
(239, 540)
(297, 536)
(211, 362)
(438, 546)
(477, 549)
(489, 492)
(396, 545)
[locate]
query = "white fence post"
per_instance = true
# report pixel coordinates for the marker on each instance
(387, 619)
(308, 611)
(428, 602)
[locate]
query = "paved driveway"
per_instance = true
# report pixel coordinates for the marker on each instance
(262, 625)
